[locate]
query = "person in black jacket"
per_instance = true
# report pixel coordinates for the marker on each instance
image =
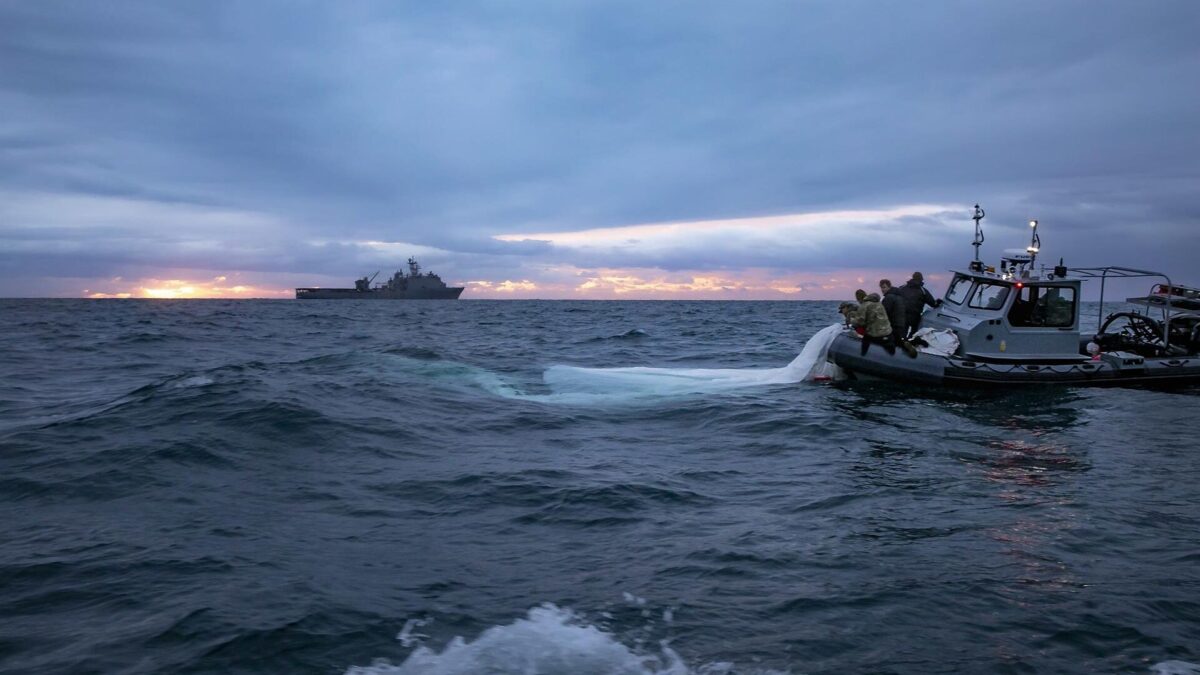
(893, 303)
(916, 296)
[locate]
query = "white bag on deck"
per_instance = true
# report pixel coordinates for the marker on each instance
(941, 342)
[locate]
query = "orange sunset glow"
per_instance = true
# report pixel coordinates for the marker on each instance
(653, 284)
(567, 283)
(180, 289)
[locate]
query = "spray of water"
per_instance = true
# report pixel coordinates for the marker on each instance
(548, 640)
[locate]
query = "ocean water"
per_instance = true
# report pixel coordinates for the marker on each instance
(566, 487)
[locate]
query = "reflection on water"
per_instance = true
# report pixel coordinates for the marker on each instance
(1036, 411)
(1032, 409)
(1020, 462)
(1033, 479)
(1019, 449)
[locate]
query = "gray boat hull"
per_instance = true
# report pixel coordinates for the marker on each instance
(932, 369)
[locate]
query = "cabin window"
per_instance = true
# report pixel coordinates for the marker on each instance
(1043, 306)
(989, 296)
(959, 289)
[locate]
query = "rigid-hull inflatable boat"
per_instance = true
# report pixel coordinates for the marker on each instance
(1016, 326)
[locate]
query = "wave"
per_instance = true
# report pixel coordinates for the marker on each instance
(1175, 668)
(548, 640)
(419, 353)
(429, 365)
(560, 385)
(631, 334)
(146, 337)
(191, 382)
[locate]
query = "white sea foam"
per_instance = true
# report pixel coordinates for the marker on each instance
(549, 640)
(1175, 668)
(194, 381)
(407, 637)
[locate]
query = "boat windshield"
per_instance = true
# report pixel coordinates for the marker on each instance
(959, 288)
(1038, 306)
(988, 295)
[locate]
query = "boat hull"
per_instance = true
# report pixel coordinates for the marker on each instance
(934, 369)
(378, 294)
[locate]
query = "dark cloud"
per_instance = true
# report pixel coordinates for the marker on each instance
(278, 137)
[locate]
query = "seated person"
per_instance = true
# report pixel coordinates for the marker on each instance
(1021, 312)
(1059, 313)
(1057, 310)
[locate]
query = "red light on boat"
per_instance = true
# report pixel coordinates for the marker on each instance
(1020, 285)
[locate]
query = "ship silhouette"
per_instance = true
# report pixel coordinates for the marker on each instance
(401, 286)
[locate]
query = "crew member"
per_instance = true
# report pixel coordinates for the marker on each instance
(848, 310)
(893, 304)
(916, 296)
(874, 319)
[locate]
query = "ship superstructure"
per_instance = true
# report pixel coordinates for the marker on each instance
(400, 286)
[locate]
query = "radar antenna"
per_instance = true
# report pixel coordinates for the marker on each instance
(976, 265)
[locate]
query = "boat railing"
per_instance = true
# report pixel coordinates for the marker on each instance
(1116, 272)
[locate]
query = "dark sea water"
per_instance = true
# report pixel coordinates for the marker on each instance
(445, 487)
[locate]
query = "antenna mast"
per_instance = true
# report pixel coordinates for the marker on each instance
(1035, 243)
(976, 265)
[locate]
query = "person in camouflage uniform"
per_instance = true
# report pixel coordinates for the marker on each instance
(874, 319)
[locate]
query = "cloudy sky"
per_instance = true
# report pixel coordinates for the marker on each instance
(563, 149)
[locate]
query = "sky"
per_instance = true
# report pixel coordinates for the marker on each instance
(560, 149)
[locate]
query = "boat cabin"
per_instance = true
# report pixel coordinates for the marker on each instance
(999, 317)
(1006, 317)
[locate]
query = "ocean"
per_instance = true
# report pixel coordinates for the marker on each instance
(566, 487)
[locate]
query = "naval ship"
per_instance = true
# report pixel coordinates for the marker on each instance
(411, 286)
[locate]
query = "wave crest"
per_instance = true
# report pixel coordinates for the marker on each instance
(548, 640)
